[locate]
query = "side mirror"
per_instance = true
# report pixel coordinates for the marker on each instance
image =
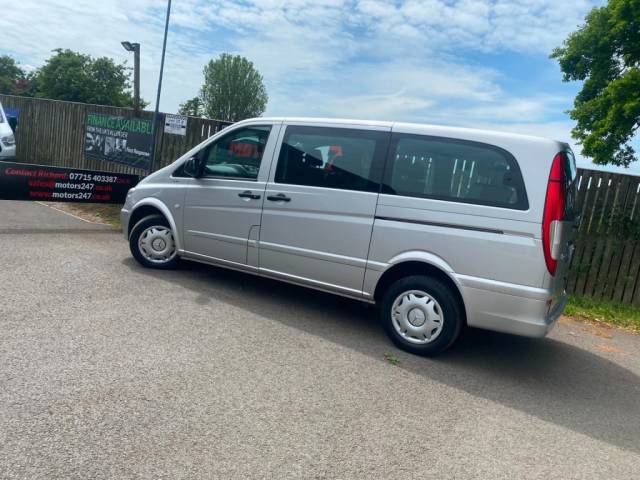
(13, 123)
(192, 167)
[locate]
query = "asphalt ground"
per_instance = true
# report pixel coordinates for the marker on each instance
(110, 370)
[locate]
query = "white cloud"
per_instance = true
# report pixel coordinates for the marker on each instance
(31, 29)
(520, 25)
(397, 60)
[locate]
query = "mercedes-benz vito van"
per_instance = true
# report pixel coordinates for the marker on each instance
(7, 140)
(440, 227)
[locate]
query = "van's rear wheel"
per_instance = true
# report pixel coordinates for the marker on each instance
(421, 315)
(152, 243)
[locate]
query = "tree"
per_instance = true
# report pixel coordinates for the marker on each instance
(233, 89)
(605, 55)
(75, 77)
(193, 107)
(10, 74)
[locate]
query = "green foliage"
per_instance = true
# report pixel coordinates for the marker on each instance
(392, 359)
(233, 89)
(622, 225)
(605, 55)
(10, 73)
(75, 77)
(192, 107)
(606, 311)
(618, 224)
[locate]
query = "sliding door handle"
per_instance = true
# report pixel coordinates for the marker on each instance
(281, 197)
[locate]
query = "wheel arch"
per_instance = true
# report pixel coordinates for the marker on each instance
(153, 206)
(408, 267)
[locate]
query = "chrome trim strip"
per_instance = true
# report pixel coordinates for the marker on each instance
(377, 266)
(438, 224)
(198, 257)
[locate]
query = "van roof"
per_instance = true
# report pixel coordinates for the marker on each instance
(418, 128)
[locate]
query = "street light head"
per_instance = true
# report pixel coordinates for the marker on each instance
(130, 47)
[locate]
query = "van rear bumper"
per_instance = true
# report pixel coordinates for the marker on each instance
(526, 313)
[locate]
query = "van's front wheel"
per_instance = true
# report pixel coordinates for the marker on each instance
(421, 315)
(152, 243)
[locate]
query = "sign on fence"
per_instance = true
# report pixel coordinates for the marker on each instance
(62, 141)
(175, 124)
(21, 181)
(119, 139)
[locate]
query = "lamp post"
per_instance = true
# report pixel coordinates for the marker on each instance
(135, 48)
(155, 113)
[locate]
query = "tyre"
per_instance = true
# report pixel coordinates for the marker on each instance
(152, 243)
(421, 315)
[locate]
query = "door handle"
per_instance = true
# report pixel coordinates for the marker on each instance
(249, 194)
(281, 197)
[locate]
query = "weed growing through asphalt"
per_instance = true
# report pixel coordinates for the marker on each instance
(392, 359)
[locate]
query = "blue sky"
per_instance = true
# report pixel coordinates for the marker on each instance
(475, 63)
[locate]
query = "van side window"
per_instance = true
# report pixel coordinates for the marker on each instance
(454, 170)
(238, 154)
(347, 159)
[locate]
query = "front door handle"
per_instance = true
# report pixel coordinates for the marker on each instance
(281, 197)
(249, 194)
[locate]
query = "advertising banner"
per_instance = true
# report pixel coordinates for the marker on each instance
(119, 139)
(22, 181)
(175, 124)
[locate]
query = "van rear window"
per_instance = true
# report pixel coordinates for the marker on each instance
(454, 170)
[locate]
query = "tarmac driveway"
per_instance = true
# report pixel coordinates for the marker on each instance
(109, 370)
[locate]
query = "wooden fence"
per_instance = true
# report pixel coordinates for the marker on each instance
(51, 132)
(606, 262)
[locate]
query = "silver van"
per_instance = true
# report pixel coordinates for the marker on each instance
(440, 227)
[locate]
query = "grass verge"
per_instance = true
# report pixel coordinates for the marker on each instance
(604, 311)
(93, 212)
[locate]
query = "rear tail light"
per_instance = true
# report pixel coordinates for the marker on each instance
(554, 209)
